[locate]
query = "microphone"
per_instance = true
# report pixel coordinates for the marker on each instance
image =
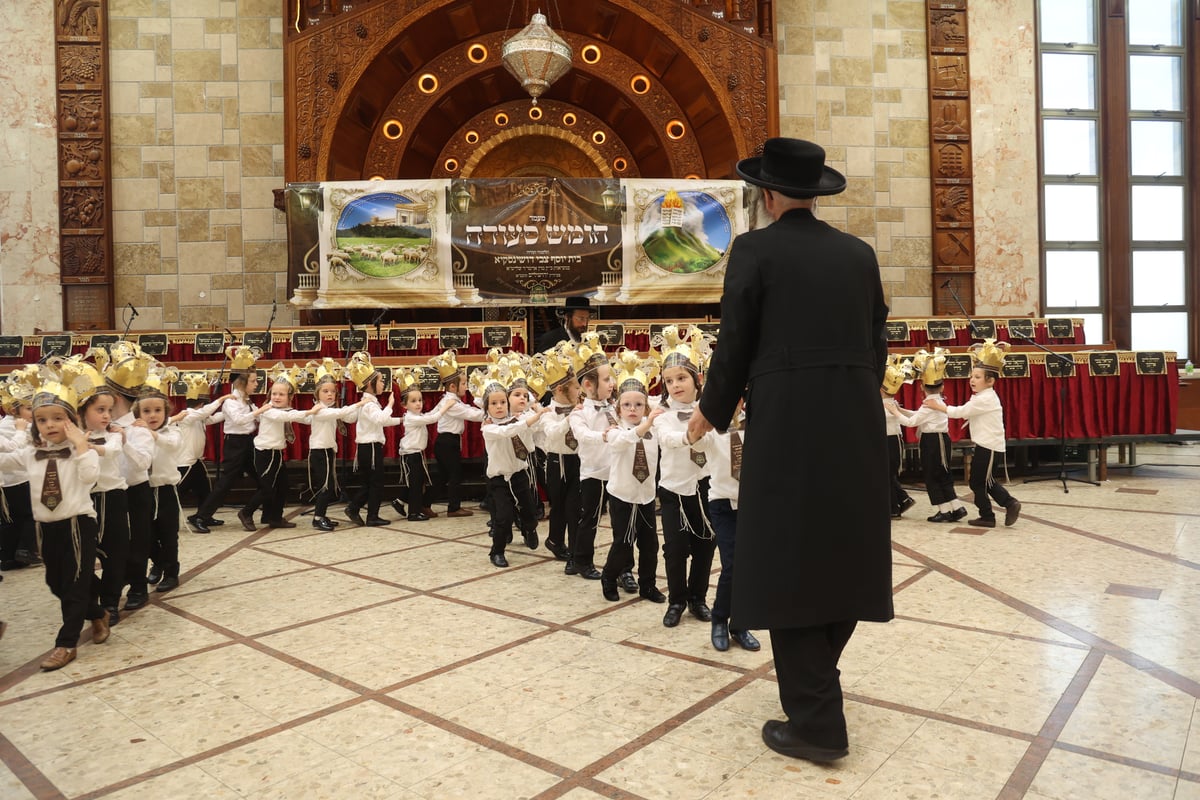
(229, 333)
(946, 285)
(132, 310)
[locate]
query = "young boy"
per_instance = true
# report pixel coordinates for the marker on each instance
(556, 370)
(985, 416)
(894, 375)
(588, 424)
(193, 421)
(447, 447)
(369, 438)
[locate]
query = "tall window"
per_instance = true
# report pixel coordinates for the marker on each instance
(1118, 210)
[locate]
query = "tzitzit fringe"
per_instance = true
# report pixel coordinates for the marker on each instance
(631, 530)
(944, 450)
(5, 514)
(76, 544)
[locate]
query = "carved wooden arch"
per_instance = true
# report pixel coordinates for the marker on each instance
(504, 137)
(344, 70)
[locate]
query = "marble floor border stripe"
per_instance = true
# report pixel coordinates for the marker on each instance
(1167, 676)
(33, 778)
(1112, 509)
(1126, 761)
(704, 662)
(910, 580)
(990, 632)
(1108, 540)
(1031, 762)
(936, 716)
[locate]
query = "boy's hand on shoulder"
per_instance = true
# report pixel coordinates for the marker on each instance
(656, 412)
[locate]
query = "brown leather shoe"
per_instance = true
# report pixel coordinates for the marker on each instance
(247, 521)
(429, 512)
(100, 629)
(460, 512)
(59, 657)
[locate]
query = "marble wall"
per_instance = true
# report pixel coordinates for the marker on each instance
(30, 297)
(853, 78)
(197, 123)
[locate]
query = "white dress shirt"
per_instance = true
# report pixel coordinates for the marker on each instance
(239, 414)
(622, 447)
(889, 419)
(553, 426)
(985, 416)
(455, 417)
(324, 426)
(497, 440)
(588, 423)
(722, 485)
(111, 477)
(15, 476)
(138, 452)
(271, 435)
(678, 473)
(192, 429)
(416, 432)
(928, 420)
(76, 477)
(372, 419)
(164, 471)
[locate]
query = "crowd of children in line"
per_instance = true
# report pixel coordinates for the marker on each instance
(92, 461)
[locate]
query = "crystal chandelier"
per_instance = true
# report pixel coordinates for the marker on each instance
(537, 56)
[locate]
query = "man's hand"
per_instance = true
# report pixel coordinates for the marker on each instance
(697, 426)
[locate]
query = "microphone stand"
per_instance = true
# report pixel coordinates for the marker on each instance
(342, 400)
(220, 382)
(1062, 475)
(132, 314)
(953, 293)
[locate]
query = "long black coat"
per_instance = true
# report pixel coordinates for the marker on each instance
(802, 335)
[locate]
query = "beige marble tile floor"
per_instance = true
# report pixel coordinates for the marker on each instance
(1059, 658)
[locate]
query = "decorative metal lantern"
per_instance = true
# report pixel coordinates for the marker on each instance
(537, 56)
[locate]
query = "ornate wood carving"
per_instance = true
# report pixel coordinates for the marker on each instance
(85, 216)
(950, 156)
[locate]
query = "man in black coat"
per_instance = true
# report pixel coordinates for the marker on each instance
(576, 314)
(802, 338)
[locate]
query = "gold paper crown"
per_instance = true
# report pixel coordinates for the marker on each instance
(404, 379)
(551, 369)
(897, 371)
(446, 365)
(569, 354)
(634, 373)
(931, 367)
(324, 371)
(76, 372)
(485, 381)
(672, 349)
(242, 358)
(158, 381)
(20, 388)
(989, 354)
(590, 352)
(52, 392)
(360, 369)
(293, 376)
(127, 367)
(197, 385)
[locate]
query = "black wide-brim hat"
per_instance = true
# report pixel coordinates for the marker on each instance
(793, 167)
(577, 303)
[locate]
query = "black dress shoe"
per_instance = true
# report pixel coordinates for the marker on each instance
(673, 615)
(699, 610)
(167, 584)
(557, 550)
(323, 524)
(983, 522)
(720, 636)
(745, 639)
(608, 588)
(589, 573)
(652, 594)
(628, 582)
(135, 601)
(399, 507)
(906, 504)
(531, 538)
(198, 525)
(114, 616)
(155, 575)
(247, 521)
(375, 522)
(214, 523)
(958, 513)
(418, 517)
(940, 516)
(498, 560)
(12, 564)
(896, 515)
(353, 515)
(569, 568)
(780, 737)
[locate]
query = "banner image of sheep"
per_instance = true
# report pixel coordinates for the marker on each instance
(384, 243)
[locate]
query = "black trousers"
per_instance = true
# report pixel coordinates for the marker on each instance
(195, 480)
(112, 509)
(895, 450)
(591, 498)
(512, 503)
(632, 525)
(322, 474)
(164, 546)
(724, 522)
(237, 459)
(562, 487)
(272, 485)
(370, 469)
(686, 533)
(983, 485)
(141, 519)
(935, 456)
(447, 449)
(17, 532)
(73, 581)
(810, 686)
(413, 465)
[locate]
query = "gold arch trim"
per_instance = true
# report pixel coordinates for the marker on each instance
(576, 141)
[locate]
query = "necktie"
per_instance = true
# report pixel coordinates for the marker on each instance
(735, 455)
(570, 439)
(289, 432)
(641, 466)
(51, 488)
(519, 448)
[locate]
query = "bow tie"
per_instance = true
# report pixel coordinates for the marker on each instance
(101, 440)
(563, 410)
(684, 416)
(62, 452)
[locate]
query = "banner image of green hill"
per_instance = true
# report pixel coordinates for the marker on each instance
(680, 251)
